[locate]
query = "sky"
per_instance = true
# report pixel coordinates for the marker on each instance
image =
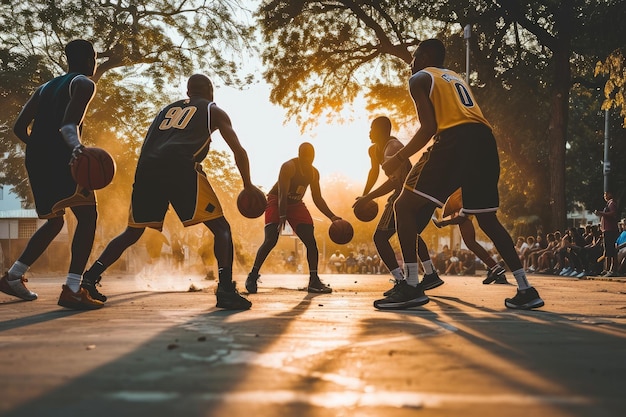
(270, 140)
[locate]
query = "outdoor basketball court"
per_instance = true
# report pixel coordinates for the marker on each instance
(156, 352)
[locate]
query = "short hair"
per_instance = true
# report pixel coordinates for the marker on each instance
(198, 84)
(435, 49)
(77, 50)
(306, 149)
(382, 122)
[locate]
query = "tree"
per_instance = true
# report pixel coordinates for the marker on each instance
(146, 49)
(322, 54)
(143, 47)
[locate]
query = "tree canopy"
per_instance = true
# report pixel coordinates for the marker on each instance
(527, 55)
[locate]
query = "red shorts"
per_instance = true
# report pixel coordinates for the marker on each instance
(297, 213)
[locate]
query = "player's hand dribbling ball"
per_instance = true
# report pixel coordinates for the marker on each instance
(341, 231)
(366, 212)
(93, 168)
(251, 202)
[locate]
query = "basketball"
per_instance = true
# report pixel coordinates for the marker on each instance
(341, 231)
(366, 212)
(251, 202)
(93, 169)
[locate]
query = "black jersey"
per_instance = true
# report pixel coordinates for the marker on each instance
(297, 186)
(181, 132)
(54, 97)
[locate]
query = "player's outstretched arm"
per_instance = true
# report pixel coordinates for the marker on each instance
(319, 201)
(221, 121)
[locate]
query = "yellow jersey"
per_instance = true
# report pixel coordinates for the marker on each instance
(452, 100)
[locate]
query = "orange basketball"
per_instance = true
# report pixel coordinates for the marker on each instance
(341, 231)
(251, 202)
(93, 169)
(366, 212)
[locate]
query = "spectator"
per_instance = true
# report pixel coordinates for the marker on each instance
(610, 232)
(337, 262)
(351, 263)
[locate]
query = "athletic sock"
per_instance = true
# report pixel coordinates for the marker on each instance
(73, 281)
(225, 275)
(17, 270)
(397, 274)
(428, 267)
(411, 274)
(95, 271)
(522, 281)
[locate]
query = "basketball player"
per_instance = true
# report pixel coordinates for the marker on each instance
(454, 204)
(464, 155)
(56, 111)
(169, 172)
(384, 147)
(284, 204)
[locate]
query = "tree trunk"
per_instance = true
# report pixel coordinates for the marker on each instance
(557, 131)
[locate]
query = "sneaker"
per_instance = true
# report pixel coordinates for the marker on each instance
(525, 300)
(392, 289)
(80, 300)
(90, 285)
(581, 274)
(229, 298)
(16, 288)
(494, 273)
(316, 286)
(252, 283)
(405, 296)
(611, 274)
(431, 281)
(501, 279)
(565, 271)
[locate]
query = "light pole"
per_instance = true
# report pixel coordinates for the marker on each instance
(467, 34)
(606, 164)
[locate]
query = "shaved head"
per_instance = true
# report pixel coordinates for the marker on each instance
(306, 152)
(200, 85)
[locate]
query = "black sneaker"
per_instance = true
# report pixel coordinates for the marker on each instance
(405, 296)
(90, 285)
(316, 286)
(494, 273)
(525, 300)
(392, 289)
(431, 281)
(501, 279)
(252, 283)
(229, 298)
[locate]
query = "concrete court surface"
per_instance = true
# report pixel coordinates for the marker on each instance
(158, 350)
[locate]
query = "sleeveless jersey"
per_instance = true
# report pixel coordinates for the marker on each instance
(452, 100)
(297, 186)
(180, 132)
(54, 97)
(406, 166)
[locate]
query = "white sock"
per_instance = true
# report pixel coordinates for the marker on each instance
(17, 270)
(397, 274)
(73, 281)
(428, 267)
(522, 281)
(411, 275)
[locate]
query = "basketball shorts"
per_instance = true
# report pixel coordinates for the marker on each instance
(183, 185)
(465, 157)
(387, 220)
(52, 184)
(297, 213)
